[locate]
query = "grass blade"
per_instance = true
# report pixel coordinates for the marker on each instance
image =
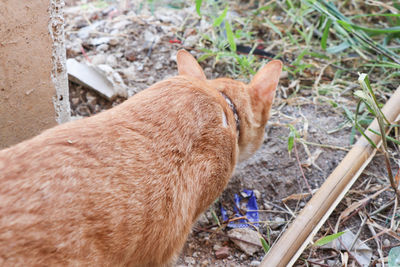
(327, 239)
(273, 27)
(221, 18)
(265, 245)
(384, 65)
(326, 33)
(387, 137)
(230, 36)
(198, 5)
(388, 30)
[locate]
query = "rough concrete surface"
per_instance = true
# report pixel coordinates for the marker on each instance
(28, 78)
(59, 74)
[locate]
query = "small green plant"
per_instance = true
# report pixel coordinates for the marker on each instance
(223, 37)
(293, 134)
(327, 239)
(360, 119)
(215, 217)
(352, 35)
(367, 96)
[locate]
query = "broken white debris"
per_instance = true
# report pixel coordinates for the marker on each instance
(101, 78)
(246, 235)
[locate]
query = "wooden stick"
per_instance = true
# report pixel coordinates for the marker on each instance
(292, 243)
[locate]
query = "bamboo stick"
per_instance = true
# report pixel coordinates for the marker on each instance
(292, 243)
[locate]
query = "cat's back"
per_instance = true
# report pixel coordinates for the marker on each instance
(175, 112)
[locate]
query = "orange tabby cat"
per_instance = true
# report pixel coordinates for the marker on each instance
(124, 187)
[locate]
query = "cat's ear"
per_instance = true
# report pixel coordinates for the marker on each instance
(187, 65)
(264, 83)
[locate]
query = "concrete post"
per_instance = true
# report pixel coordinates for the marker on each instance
(33, 78)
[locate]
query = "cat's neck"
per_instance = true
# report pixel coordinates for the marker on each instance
(234, 111)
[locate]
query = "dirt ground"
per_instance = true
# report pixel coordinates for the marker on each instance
(137, 45)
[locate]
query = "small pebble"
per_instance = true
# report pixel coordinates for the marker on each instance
(204, 263)
(216, 247)
(255, 263)
(75, 101)
(243, 257)
(102, 47)
(222, 253)
(130, 55)
(98, 59)
(267, 206)
(112, 61)
(257, 194)
(113, 41)
(191, 40)
(203, 219)
(158, 66)
(150, 80)
(386, 242)
(130, 73)
(190, 260)
(91, 99)
(238, 234)
(277, 222)
(331, 262)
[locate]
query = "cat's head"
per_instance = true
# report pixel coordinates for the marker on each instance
(252, 101)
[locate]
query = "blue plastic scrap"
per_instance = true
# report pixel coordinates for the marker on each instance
(251, 215)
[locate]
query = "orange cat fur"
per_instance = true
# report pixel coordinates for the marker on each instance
(123, 188)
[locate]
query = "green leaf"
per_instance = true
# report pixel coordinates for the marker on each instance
(349, 115)
(198, 5)
(205, 56)
(355, 36)
(293, 133)
(362, 95)
(353, 135)
(264, 244)
(263, 8)
(349, 25)
(273, 27)
(230, 37)
(366, 99)
(221, 18)
(338, 48)
(373, 103)
(290, 142)
(375, 15)
(394, 257)
(358, 127)
(326, 239)
(325, 34)
(318, 55)
(215, 217)
(387, 137)
(384, 65)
